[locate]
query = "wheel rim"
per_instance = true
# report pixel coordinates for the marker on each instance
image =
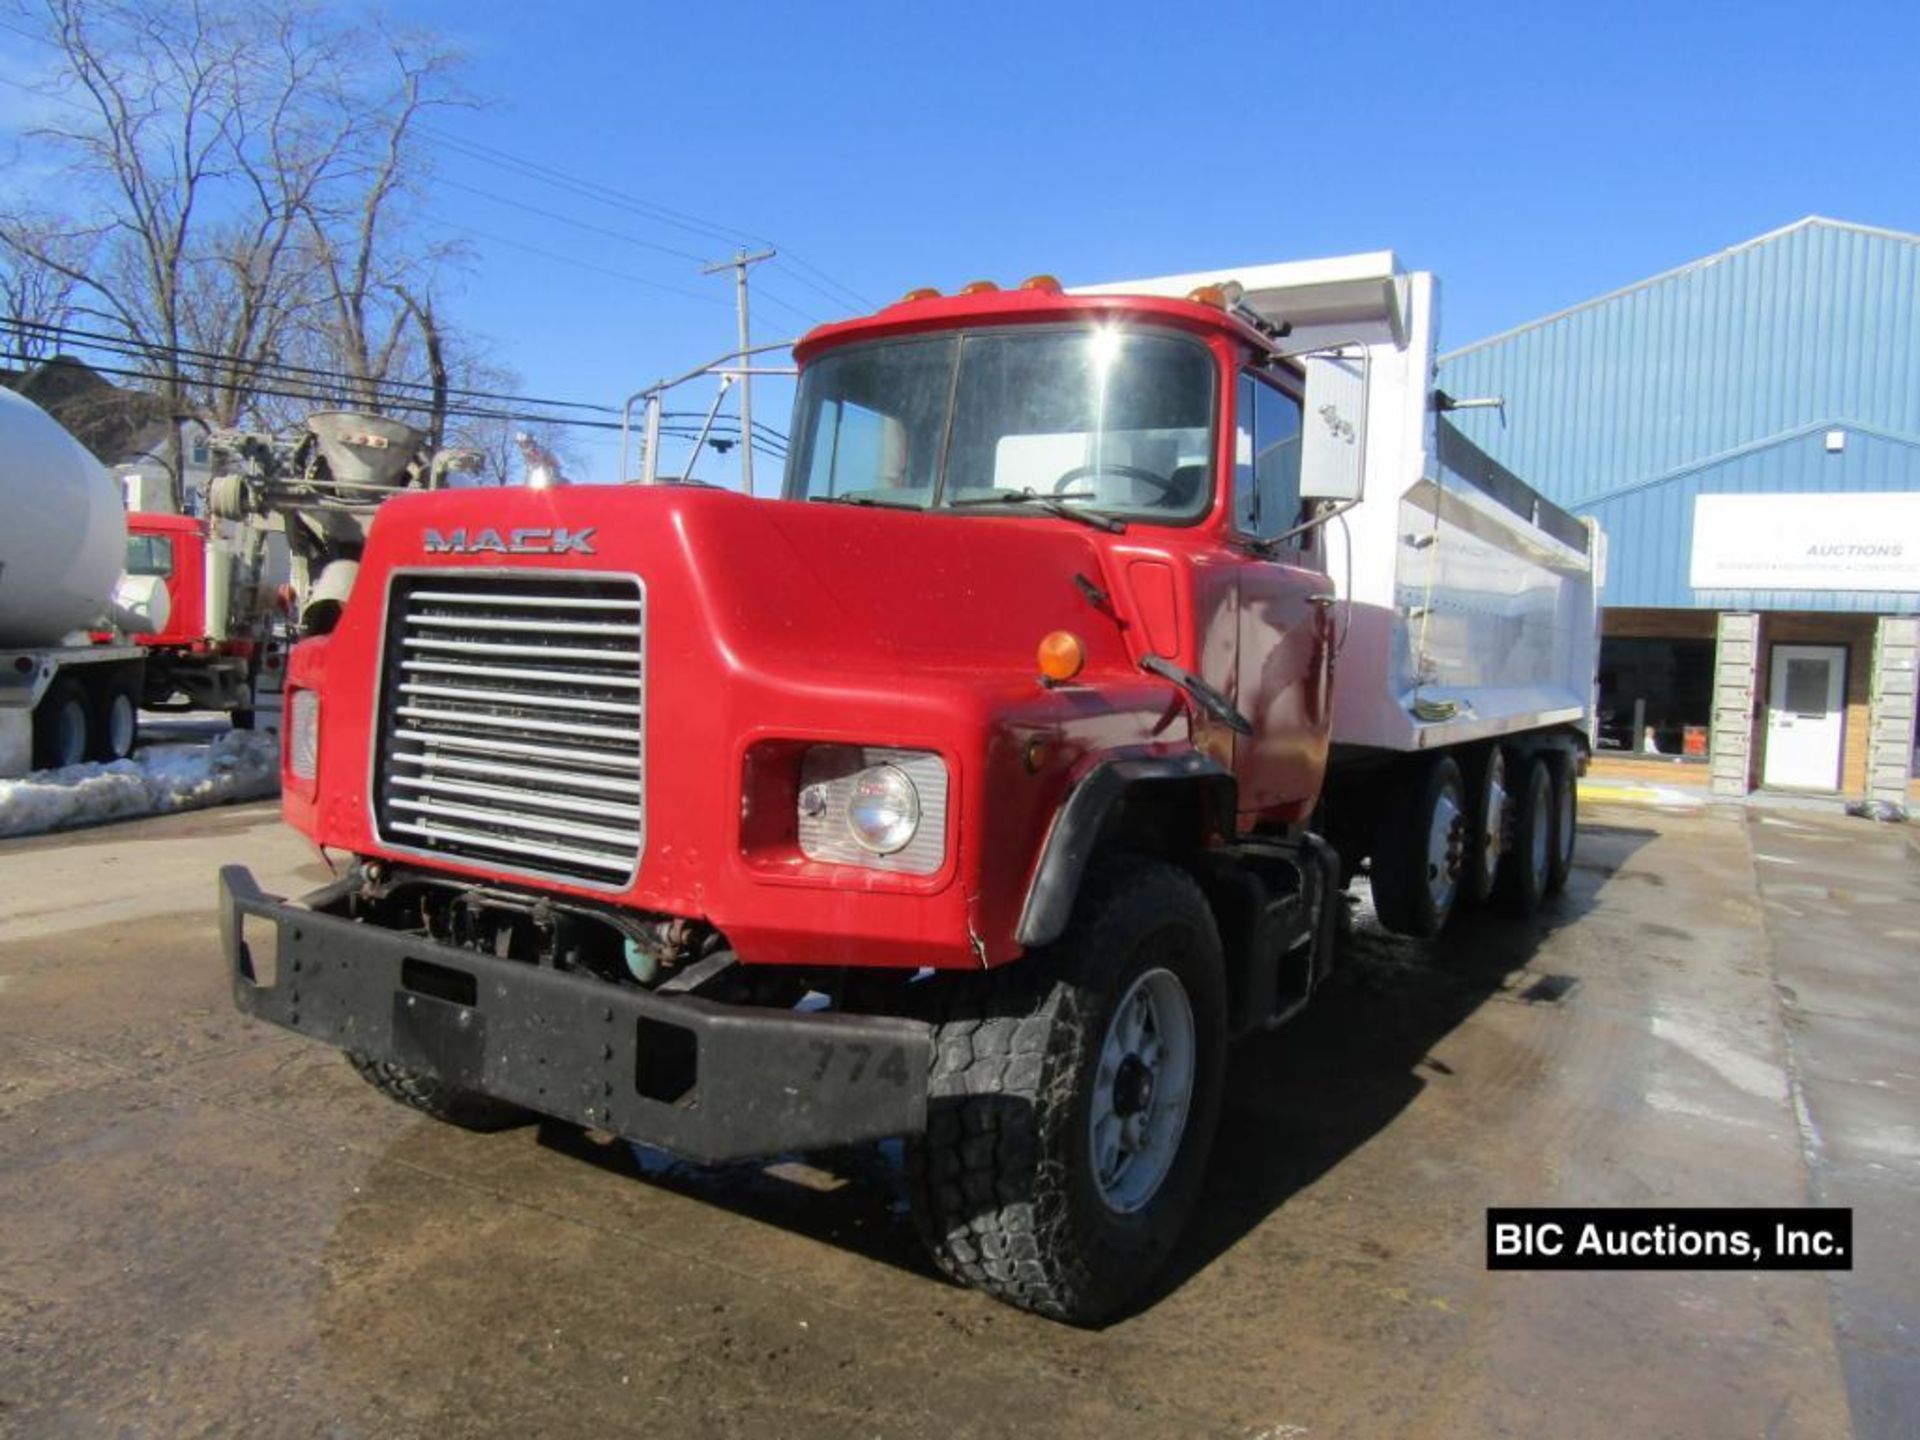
(1542, 813)
(70, 734)
(120, 725)
(1446, 831)
(1142, 1091)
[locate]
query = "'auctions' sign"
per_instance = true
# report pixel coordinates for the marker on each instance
(1854, 541)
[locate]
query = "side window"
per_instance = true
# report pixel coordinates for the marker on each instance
(1246, 498)
(1266, 460)
(1276, 460)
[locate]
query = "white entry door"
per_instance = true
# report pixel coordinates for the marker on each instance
(1806, 716)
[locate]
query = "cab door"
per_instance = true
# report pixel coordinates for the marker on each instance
(1284, 667)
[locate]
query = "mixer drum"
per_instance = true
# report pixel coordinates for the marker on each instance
(63, 529)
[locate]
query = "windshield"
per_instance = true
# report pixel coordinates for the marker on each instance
(149, 555)
(1113, 420)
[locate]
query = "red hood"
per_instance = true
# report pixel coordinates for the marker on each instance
(863, 586)
(771, 626)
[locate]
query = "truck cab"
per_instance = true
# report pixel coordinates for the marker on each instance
(966, 792)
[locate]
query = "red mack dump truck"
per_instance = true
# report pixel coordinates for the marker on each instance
(977, 791)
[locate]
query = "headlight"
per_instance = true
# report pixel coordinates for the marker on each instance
(303, 734)
(884, 809)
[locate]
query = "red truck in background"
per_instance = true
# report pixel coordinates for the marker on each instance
(192, 663)
(976, 791)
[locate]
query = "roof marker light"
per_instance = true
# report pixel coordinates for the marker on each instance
(1046, 284)
(925, 292)
(979, 287)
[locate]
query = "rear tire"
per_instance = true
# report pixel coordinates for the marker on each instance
(1525, 870)
(116, 724)
(430, 1095)
(1492, 810)
(1566, 822)
(1051, 1176)
(1419, 852)
(62, 725)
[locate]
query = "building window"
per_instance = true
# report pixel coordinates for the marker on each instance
(1656, 695)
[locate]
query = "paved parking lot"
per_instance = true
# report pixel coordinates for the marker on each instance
(211, 1227)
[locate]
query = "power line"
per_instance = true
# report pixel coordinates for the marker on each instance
(581, 264)
(444, 183)
(330, 385)
(271, 369)
(724, 431)
(606, 194)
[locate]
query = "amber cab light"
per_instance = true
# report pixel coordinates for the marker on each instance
(1061, 656)
(1044, 283)
(979, 287)
(925, 292)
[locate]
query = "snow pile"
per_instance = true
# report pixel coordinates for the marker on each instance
(238, 765)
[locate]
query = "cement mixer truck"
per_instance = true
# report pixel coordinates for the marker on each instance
(64, 695)
(276, 556)
(320, 488)
(104, 613)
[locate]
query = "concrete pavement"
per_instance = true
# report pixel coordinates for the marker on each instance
(215, 1228)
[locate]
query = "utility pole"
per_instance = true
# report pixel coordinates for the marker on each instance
(741, 260)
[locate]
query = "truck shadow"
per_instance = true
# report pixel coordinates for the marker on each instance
(1299, 1101)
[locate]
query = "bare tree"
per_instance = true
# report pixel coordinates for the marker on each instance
(38, 299)
(489, 427)
(243, 175)
(374, 288)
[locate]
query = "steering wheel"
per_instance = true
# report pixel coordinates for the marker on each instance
(1160, 483)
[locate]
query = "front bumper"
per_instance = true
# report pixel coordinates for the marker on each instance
(709, 1082)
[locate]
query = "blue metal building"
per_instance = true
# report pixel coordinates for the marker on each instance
(1746, 429)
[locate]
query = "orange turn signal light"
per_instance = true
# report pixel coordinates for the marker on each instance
(925, 292)
(1214, 295)
(1062, 656)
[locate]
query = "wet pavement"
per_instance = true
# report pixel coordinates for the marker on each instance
(1843, 914)
(211, 1227)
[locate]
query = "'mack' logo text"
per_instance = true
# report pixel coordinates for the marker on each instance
(514, 542)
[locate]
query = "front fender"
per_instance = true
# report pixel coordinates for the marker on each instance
(1086, 818)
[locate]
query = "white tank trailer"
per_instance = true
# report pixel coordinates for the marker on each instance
(62, 547)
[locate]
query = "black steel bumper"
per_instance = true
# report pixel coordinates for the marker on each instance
(707, 1081)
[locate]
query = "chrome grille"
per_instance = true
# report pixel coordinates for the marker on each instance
(513, 722)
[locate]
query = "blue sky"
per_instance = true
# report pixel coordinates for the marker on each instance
(1533, 155)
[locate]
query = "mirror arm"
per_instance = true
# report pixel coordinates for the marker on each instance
(1265, 548)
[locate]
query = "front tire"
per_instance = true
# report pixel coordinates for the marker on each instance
(430, 1095)
(1073, 1101)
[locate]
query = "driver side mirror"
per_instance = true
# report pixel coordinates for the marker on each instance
(1333, 451)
